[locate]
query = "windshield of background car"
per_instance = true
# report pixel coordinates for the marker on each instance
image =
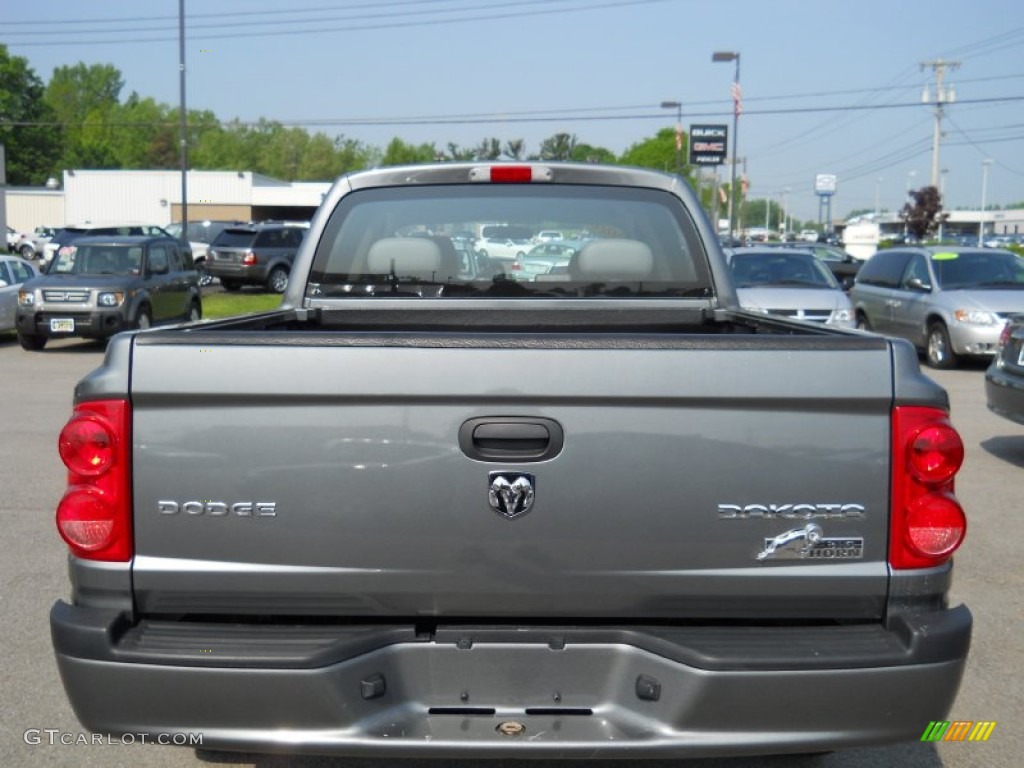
(634, 242)
(998, 270)
(97, 260)
(798, 270)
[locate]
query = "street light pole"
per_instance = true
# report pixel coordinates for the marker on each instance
(984, 189)
(678, 106)
(732, 56)
(784, 215)
(183, 119)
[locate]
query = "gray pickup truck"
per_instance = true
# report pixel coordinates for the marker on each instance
(428, 509)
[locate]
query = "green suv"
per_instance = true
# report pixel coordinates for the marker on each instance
(99, 286)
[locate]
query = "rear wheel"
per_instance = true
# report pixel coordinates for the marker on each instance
(277, 280)
(31, 342)
(27, 252)
(863, 324)
(939, 351)
(195, 312)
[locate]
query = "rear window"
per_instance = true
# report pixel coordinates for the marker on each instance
(235, 238)
(398, 242)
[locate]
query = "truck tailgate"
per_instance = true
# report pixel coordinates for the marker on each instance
(328, 478)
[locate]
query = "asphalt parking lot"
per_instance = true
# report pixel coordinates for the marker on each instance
(37, 723)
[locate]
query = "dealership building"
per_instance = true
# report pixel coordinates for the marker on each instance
(154, 197)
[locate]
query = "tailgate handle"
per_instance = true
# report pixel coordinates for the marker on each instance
(511, 438)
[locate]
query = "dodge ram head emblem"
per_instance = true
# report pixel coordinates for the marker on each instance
(510, 493)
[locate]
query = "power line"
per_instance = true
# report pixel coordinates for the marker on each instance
(289, 12)
(542, 117)
(361, 28)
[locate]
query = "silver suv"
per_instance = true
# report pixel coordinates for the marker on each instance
(950, 301)
(255, 254)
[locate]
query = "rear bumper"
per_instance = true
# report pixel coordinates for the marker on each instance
(576, 691)
(1004, 394)
(225, 270)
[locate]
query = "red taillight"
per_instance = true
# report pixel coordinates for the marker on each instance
(511, 173)
(935, 453)
(1004, 335)
(516, 266)
(927, 522)
(87, 445)
(249, 259)
(94, 515)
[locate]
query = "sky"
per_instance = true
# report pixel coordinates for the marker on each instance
(828, 86)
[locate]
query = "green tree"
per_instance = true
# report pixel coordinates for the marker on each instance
(28, 125)
(558, 147)
(488, 149)
(587, 153)
(514, 149)
(658, 152)
(455, 152)
(84, 98)
(143, 134)
(400, 153)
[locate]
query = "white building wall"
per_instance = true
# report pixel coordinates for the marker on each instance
(31, 208)
(299, 193)
(147, 196)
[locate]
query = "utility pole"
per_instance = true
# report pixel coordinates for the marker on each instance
(183, 119)
(943, 95)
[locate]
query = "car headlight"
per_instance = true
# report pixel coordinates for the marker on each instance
(842, 318)
(110, 299)
(975, 317)
(26, 298)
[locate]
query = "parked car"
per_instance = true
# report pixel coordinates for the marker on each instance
(255, 254)
(13, 272)
(543, 259)
(13, 236)
(199, 235)
(809, 235)
(503, 244)
(31, 246)
(1004, 379)
(951, 302)
(842, 264)
(789, 282)
(101, 285)
(67, 235)
(548, 235)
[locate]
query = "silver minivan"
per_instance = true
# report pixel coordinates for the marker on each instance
(950, 301)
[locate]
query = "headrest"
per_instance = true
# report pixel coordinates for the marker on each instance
(406, 257)
(612, 259)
